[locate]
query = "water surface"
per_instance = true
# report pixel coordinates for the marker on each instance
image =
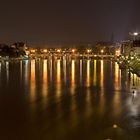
(68, 99)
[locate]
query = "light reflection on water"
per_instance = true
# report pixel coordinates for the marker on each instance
(7, 71)
(65, 70)
(75, 96)
(45, 78)
(117, 96)
(81, 71)
(95, 73)
(102, 76)
(88, 73)
(72, 76)
(33, 81)
(102, 98)
(58, 84)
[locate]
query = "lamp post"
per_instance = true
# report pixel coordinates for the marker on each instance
(102, 51)
(134, 34)
(88, 51)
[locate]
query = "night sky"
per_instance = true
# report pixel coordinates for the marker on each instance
(67, 21)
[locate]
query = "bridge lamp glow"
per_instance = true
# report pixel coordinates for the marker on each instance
(88, 50)
(45, 51)
(73, 50)
(115, 126)
(33, 51)
(58, 50)
(117, 52)
(102, 51)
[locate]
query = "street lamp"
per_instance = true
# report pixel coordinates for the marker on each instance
(73, 50)
(45, 51)
(88, 50)
(117, 52)
(58, 50)
(134, 34)
(102, 51)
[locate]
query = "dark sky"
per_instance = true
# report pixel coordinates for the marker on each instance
(67, 21)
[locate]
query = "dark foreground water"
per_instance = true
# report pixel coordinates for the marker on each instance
(68, 100)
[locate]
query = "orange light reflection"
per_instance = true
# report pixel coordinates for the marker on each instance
(33, 80)
(95, 72)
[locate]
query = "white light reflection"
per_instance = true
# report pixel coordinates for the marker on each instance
(21, 70)
(133, 104)
(7, 70)
(26, 72)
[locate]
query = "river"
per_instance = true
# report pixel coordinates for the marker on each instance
(68, 100)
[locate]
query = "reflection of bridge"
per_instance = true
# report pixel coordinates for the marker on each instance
(61, 55)
(99, 55)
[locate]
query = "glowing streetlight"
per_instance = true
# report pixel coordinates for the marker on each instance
(88, 50)
(117, 52)
(32, 51)
(134, 34)
(58, 50)
(45, 50)
(102, 51)
(73, 50)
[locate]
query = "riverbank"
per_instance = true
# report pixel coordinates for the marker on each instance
(131, 63)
